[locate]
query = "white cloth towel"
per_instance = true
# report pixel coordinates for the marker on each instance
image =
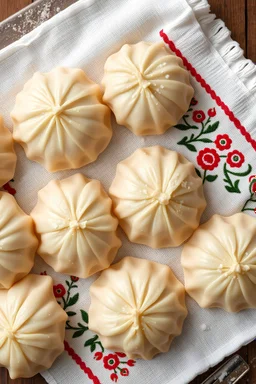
(84, 35)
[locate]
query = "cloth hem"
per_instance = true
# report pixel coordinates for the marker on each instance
(219, 36)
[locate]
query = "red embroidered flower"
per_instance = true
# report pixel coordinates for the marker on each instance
(211, 112)
(193, 101)
(252, 181)
(9, 189)
(114, 377)
(59, 290)
(208, 159)
(74, 278)
(43, 273)
(98, 355)
(223, 142)
(120, 354)
(198, 116)
(111, 361)
(252, 177)
(131, 363)
(124, 372)
(235, 159)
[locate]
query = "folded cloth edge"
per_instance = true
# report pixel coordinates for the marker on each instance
(219, 36)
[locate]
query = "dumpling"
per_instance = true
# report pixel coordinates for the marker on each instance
(137, 307)
(60, 120)
(32, 327)
(8, 157)
(158, 197)
(18, 242)
(219, 263)
(147, 87)
(75, 226)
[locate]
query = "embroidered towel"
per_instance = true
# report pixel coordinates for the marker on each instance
(217, 134)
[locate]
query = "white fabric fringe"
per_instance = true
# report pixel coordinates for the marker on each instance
(220, 37)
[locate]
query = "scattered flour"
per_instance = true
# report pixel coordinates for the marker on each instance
(222, 376)
(33, 17)
(205, 327)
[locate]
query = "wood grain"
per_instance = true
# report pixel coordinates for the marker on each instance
(9, 7)
(234, 15)
(251, 29)
(240, 18)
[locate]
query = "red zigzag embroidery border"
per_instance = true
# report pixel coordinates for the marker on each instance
(81, 363)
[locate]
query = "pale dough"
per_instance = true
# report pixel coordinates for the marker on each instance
(75, 226)
(137, 307)
(147, 87)
(60, 120)
(158, 197)
(8, 157)
(219, 263)
(18, 242)
(32, 327)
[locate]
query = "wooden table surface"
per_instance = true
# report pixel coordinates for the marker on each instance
(240, 18)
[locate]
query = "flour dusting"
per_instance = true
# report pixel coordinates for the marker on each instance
(33, 17)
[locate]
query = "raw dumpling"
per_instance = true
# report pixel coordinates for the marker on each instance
(32, 327)
(76, 228)
(147, 87)
(219, 263)
(137, 307)
(7, 155)
(18, 243)
(158, 197)
(60, 120)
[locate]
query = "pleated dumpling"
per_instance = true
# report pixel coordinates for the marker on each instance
(158, 197)
(8, 157)
(18, 242)
(75, 226)
(32, 327)
(137, 307)
(60, 120)
(147, 87)
(219, 263)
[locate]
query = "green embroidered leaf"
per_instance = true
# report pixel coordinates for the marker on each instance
(191, 147)
(183, 141)
(236, 183)
(245, 173)
(205, 140)
(70, 313)
(92, 347)
(90, 341)
(73, 300)
(67, 282)
(212, 128)
(78, 333)
(84, 316)
(198, 172)
(74, 286)
(182, 127)
(231, 189)
(82, 326)
(211, 178)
